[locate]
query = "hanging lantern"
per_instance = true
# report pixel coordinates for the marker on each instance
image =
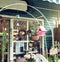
(18, 16)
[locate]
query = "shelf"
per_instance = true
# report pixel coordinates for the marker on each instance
(6, 53)
(15, 30)
(21, 41)
(18, 53)
(15, 53)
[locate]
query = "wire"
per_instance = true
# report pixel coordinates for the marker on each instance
(49, 9)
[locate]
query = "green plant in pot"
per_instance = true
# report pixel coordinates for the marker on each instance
(33, 30)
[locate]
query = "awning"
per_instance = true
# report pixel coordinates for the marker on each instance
(13, 4)
(53, 1)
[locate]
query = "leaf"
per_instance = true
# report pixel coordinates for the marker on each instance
(4, 42)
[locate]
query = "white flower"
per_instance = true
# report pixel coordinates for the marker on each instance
(27, 56)
(32, 55)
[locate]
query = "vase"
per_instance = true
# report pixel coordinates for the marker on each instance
(35, 37)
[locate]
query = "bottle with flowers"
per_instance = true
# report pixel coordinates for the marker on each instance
(30, 57)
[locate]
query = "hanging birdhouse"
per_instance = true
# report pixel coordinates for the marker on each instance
(41, 31)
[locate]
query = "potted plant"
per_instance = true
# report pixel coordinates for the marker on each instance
(36, 30)
(33, 31)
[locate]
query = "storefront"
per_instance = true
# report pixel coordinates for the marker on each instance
(21, 20)
(18, 35)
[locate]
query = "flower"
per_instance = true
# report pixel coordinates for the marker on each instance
(30, 57)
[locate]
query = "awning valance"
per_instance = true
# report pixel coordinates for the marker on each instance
(13, 4)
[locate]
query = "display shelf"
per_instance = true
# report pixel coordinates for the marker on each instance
(19, 46)
(15, 30)
(18, 53)
(20, 41)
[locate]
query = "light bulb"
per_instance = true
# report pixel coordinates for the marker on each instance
(4, 29)
(17, 24)
(18, 16)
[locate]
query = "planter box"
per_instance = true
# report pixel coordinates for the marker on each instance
(35, 37)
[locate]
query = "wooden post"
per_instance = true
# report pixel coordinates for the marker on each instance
(43, 45)
(11, 40)
(27, 35)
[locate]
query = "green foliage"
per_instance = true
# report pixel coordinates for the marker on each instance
(53, 58)
(31, 60)
(34, 27)
(4, 43)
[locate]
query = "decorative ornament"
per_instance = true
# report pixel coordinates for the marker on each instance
(41, 31)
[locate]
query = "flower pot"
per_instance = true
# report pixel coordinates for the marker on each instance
(35, 37)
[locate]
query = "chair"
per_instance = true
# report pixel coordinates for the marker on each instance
(40, 58)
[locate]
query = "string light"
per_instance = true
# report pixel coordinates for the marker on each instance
(17, 24)
(5, 29)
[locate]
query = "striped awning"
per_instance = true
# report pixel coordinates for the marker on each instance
(53, 1)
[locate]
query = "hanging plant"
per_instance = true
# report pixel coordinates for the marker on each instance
(32, 32)
(36, 30)
(3, 45)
